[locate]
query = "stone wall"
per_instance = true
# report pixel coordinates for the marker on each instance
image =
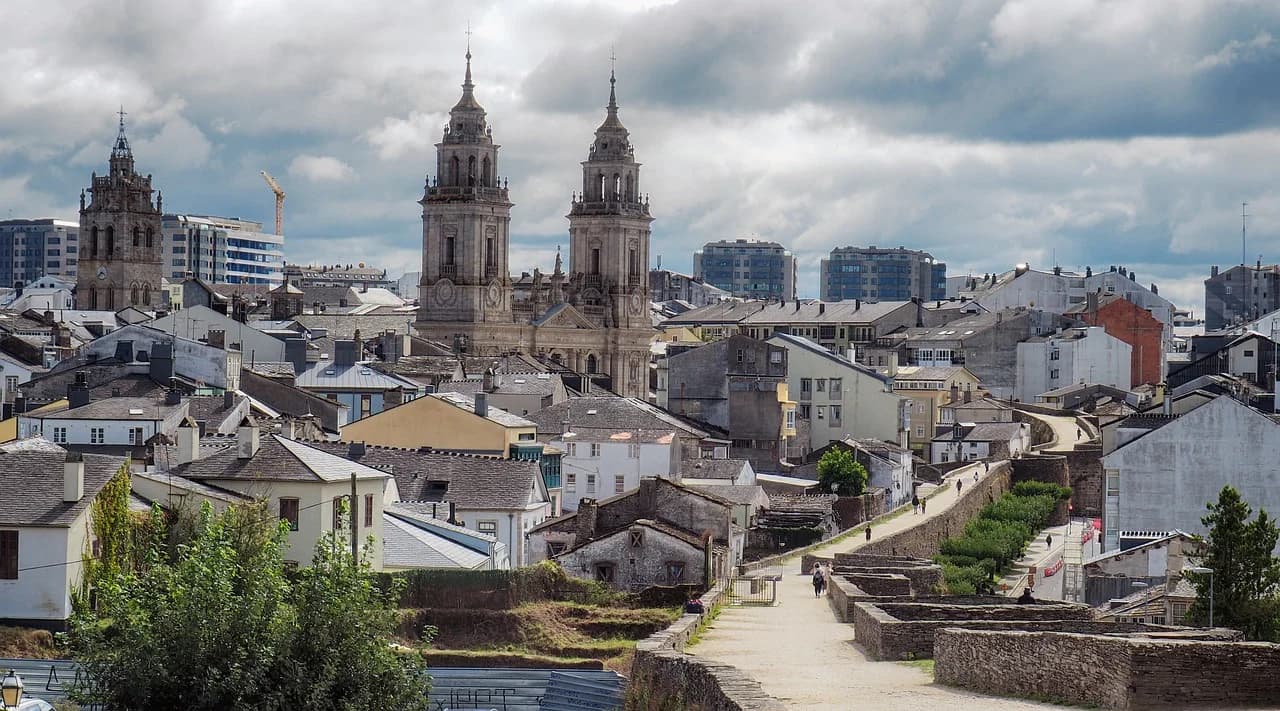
(1041, 433)
(853, 510)
(1085, 466)
(923, 540)
(1114, 672)
(664, 677)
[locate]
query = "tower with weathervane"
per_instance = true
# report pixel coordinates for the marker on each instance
(121, 260)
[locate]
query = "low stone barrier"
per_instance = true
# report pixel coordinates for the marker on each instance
(1154, 671)
(664, 677)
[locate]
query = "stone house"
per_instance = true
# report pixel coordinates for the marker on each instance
(839, 398)
(716, 472)
(738, 385)
(966, 408)
(688, 522)
(45, 528)
(987, 440)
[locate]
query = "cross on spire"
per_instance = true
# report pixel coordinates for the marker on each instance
(122, 115)
(121, 149)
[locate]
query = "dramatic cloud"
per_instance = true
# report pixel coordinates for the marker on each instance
(1080, 132)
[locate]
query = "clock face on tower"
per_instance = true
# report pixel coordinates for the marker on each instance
(102, 273)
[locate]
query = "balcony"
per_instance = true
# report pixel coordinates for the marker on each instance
(610, 206)
(438, 193)
(449, 271)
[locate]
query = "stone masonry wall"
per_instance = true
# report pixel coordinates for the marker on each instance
(664, 677)
(1085, 465)
(1136, 672)
(923, 540)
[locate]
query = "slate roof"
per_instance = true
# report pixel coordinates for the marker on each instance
(344, 326)
(847, 311)
(114, 408)
(324, 375)
(271, 369)
(617, 413)
(211, 409)
(735, 494)
(496, 414)
(630, 436)
(473, 481)
(34, 479)
(192, 486)
(985, 432)
(727, 469)
(277, 459)
(722, 312)
(812, 347)
(410, 543)
(914, 372)
(520, 384)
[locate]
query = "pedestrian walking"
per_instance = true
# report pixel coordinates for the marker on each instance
(819, 581)
(1025, 598)
(975, 474)
(923, 503)
(1079, 434)
(1048, 540)
(959, 484)
(868, 533)
(915, 504)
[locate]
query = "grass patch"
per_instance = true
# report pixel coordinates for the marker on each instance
(924, 665)
(25, 643)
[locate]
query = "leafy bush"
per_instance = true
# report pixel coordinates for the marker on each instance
(838, 468)
(997, 536)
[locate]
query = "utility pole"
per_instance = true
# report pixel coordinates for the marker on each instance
(355, 525)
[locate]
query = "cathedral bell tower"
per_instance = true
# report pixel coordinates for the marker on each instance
(121, 256)
(465, 223)
(609, 229)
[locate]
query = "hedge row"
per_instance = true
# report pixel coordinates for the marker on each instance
(997, 537)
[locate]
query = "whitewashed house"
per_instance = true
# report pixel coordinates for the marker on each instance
(604, 462)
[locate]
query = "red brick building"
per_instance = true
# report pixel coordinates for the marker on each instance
(1132, 324)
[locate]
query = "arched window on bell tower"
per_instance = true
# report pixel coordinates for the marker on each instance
(93, 241)
(630, 194)
(471, 171)
(93, 296)
(599, 187)
(484, 174)
(454, 166)
(617, 187)
(133, 295)
(591, 364)
(111, 242)
(150, 238)
(595, 260)
(137, 235)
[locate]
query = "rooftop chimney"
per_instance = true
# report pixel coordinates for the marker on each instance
(482, 404)
(822, 308)
(344, 353)
(188, 442)
(161, 367)
(968, 393)
(295, 351)
(19, 404)
(124, 351)
(487, 383)
(586, 521)
(73, 477)
(1167, 400)
(77, 395)
(356, 450)
(247, 439)
(82, 377)
(173, 396)
(228, 399)
(1091, 302)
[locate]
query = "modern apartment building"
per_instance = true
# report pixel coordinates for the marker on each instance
(222, 250)
(876, 274)
(747, 268)
(30, 249)
(1242, 293)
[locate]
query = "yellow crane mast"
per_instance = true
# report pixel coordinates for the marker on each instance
(275, 188)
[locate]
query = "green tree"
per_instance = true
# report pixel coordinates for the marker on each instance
(1246, 573)
(217, 624)
(838, 467)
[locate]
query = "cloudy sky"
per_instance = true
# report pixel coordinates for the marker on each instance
(987, 132)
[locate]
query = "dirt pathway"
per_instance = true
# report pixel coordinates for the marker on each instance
(801, 654)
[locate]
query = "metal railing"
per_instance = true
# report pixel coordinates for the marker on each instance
(755, 590)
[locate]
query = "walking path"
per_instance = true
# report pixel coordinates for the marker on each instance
(802, 655)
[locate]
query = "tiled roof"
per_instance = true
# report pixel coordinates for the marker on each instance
(277, 459)
(33, 479)
(728, 469)
(473, 481)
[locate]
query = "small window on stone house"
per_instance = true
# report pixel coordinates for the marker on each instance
(554, 549)
(675, 571)
(637, 537)
(604, 572)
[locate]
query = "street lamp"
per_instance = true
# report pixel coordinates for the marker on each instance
(1199, 570)
(11, 690)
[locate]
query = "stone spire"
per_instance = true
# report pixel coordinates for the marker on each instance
(611, 121)
(468, 103)
(121, 149)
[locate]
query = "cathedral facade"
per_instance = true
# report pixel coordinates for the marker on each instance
(121, 258)
(592, 318)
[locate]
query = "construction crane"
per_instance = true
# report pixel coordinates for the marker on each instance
(275, 188)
